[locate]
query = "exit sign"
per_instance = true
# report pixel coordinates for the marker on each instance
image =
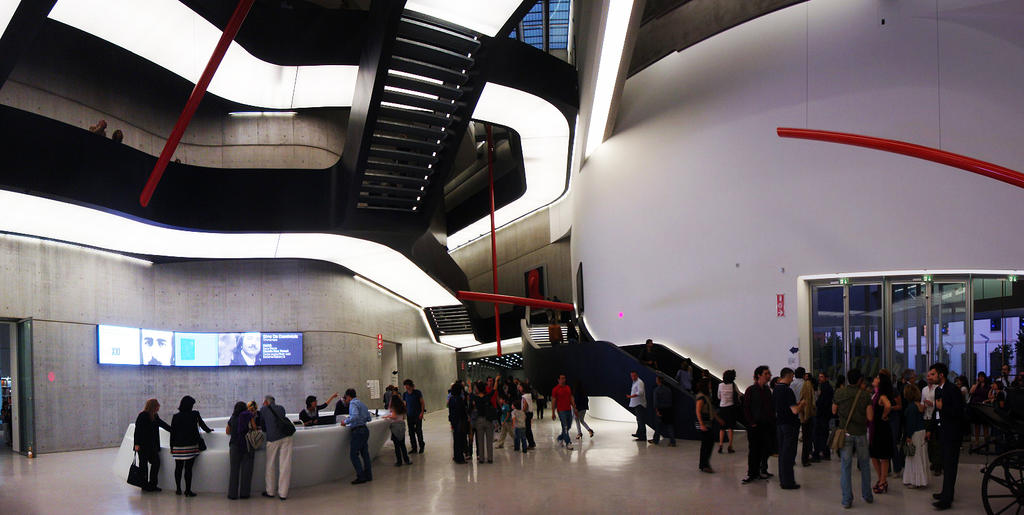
(780, 305)
(380, 342)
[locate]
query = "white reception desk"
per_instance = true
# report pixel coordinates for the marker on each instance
(319, 455)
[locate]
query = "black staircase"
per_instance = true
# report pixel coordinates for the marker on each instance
(449, 320)
(422, 114)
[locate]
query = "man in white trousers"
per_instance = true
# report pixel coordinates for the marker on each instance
(279, 450)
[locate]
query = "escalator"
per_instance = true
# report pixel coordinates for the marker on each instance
(603, 368)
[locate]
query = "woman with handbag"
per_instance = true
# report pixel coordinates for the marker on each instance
(240, 478)
(915, 472)
(147, 441)
(397, 418)
(880, 443)
(186, 442)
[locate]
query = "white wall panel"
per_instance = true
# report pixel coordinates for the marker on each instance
(686, 217)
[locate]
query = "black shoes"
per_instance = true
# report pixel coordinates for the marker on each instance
(265, 494)
(359, 481)
(177, 492)
(942, 505)
(189, 493)
(793, 486)
(749, 479)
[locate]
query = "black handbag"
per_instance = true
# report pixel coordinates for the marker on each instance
(136, 476)
(284, 425)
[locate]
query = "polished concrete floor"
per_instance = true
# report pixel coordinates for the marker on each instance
(607, 474)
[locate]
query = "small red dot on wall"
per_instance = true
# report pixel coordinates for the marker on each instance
(51, 376)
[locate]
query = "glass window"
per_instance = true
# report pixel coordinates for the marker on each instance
(533, 26)
(558, 24)
(827, 351)
(998, 329)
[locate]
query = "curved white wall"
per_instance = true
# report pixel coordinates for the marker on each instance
(686, 217)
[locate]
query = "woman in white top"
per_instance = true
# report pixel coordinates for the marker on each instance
(727, 397)
(526, 403)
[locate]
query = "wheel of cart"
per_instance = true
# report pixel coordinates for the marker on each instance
(1002, 489)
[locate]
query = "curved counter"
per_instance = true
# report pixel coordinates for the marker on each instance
(319, 455)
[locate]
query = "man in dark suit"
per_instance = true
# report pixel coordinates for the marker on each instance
(950, 412)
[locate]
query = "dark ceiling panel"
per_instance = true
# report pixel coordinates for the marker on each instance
(292, 33)
(673, 25)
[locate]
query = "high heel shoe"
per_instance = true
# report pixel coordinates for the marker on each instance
(881, 488)
(731, 450)
(719, 449)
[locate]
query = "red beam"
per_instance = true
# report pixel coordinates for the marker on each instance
(515, 301)
(241, 10)
(962, 162)
(494, 241)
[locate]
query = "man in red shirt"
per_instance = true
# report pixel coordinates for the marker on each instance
(564, 405)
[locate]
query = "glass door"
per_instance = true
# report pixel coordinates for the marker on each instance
(828, 352)
(949, 326)
(865, 333)
(909, 327)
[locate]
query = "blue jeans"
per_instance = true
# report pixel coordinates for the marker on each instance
(858, 445)
(565, 417)
(520, 438)
(359, 448)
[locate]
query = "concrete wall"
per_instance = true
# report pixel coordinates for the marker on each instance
(68, 290)
(694, 215)
(522, 246)
(51, 81)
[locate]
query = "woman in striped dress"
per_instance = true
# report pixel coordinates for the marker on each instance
(185, 442)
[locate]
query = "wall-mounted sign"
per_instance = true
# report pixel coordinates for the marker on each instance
(780, 305)
(380, 342)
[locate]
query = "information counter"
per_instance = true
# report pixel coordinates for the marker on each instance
(320, 454)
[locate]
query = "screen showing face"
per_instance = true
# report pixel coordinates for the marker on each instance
(133, 346)
(156, 347)
(118, 345)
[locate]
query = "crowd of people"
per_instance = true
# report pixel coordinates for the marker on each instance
(507, 406)
(251, 428)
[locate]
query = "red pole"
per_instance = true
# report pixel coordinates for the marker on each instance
(963, 162)
(494, 244)
(241, 10)
(515, 301)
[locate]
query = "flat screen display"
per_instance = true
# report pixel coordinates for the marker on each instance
(133, 346)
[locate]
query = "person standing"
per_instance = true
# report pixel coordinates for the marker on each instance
(526, 403)
(241, 456)
(185, 442)
(728, 398)
(931, 424)
(666, 417)
(359, 450)
(458, 418)
(504, 420)
(147, 442)
(519, 422)
(807, 414)
(684, 377)
(915, 471)
(563, 405)
(786, 410)
(648, 355)
(706, 418)
(483, 417)
(851, 404)
(415, 406)
(278, 475)
(758, 413)
(951, 418)
(822, 418)
(1004, 378)
(638, 405)
(582, 402)
(880, 444)
(397, 417)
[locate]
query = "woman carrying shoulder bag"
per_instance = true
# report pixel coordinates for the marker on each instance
(186, 442)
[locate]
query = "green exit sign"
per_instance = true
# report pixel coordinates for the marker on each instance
(1012, 278)
(927, 278)
(844, 280)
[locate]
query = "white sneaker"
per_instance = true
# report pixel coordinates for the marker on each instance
(569, 447)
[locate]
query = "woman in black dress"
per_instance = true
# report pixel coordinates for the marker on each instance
(458, 417)
(185, 442)
(880, 446)
(147, 441)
